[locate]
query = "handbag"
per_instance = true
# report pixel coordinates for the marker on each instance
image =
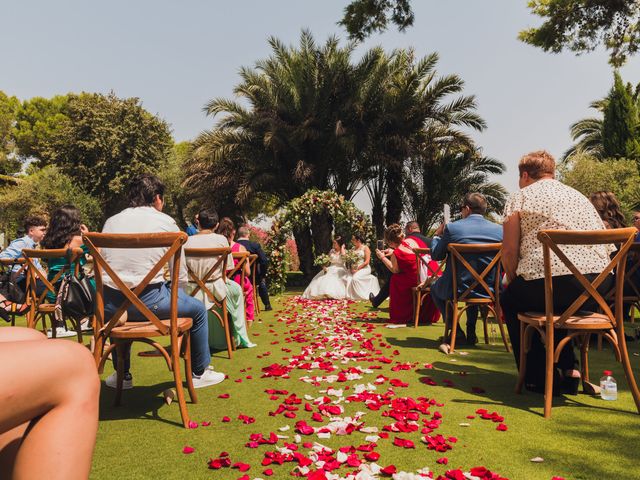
(76, 296)
(9, 287)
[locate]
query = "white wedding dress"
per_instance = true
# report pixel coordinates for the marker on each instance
(362, 283)
(330, 283)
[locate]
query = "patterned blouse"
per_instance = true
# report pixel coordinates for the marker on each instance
(550, 205)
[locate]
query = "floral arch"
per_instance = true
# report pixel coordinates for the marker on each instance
(345, 218)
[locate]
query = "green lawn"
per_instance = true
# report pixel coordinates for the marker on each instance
(586, 438)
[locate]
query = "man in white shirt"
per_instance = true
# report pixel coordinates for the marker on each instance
(144, 215)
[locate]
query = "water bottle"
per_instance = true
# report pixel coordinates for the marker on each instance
(608, 387)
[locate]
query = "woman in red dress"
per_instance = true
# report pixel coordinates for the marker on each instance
(402, 263)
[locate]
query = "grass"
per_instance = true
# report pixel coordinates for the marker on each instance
(586, 438)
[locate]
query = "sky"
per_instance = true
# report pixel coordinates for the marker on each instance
(177, 55)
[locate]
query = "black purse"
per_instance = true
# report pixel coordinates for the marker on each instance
(76, 296)
(9, 287)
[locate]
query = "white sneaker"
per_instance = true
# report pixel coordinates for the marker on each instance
(112, 381)
(209, 377)
(85, 325)
(61, 332)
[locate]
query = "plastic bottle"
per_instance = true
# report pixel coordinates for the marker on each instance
(608, 387)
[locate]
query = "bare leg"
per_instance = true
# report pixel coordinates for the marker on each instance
(59, 405)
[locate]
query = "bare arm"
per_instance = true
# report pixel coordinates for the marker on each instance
(511, 245)
(367, 258)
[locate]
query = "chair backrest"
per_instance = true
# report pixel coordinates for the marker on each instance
(9, 263)
(253, 267)
(172, 241)
(552, 240)
(219, 258)
(631, 276)
(424, 270)
(243, 259)
(71, 255)
(460, 253)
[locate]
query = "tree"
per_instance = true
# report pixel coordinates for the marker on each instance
(9, 162)
(172, 172)
(37, 120)
(620, 124)
(582, 25)
(588, 174)
(42, 192)
(587, 133)
(363, 17)
(100, 141)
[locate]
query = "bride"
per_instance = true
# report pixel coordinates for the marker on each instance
(360, 281)
(331, 281)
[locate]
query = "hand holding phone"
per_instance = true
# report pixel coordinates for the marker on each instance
(380, 245)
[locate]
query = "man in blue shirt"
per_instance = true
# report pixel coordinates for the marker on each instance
(35, 228)
(473, 228)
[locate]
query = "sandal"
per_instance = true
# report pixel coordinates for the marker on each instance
(13, 308)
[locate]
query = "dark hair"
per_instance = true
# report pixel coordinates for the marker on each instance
(608, 207)
(65, 224)
(34, 221)
(393, 234)
(226, 228)
(339, 240)
(476, 203)
(143, 190)
(360, 237)
(208, 218)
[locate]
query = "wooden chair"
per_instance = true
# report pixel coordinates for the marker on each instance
(253, 268)
(491, 303)
(220, 263)
(177, 329)
(423, 288)
(578, 323)
(239, 269)
(6, 265)
(40, 307)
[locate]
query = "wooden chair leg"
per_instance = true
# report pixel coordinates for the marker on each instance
(523, 358)
(417, 304)
(119, 372)
(628, 371)
(599, 342)
(584, 358)
(454, 327)
(227, 329)
(175, 366)
(485, 316)
(548, 378)
(186, 354)
(500, 320)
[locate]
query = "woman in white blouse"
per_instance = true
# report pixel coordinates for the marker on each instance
(543, 203)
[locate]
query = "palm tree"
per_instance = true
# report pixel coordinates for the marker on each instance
(587, 133)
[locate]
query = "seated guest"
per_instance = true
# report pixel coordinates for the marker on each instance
(636, 223)
(262, 263)
(144, 215)
(192, 228)
(65, 231)
(412, 230)
(49, 416)
(401, 262)
(35, 227)
(608, 207)
(543, 203)
(473, 228)
(228, 230)
(206, 238)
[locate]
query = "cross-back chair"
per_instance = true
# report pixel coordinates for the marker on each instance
(580, 325)
(489, 303)
(6, 267)
(253, 268)
(203, 283)
(423, 289)
(177, 329)
(239, 269)
(40, 307)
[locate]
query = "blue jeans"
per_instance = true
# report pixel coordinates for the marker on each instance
(158, 298)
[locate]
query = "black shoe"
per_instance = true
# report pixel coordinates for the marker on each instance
(472, 339)
(372, 299)
(268, 308)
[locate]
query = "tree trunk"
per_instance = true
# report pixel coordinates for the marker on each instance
(377, 217)
(322, 229)
(394, 195)
(305, 250)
